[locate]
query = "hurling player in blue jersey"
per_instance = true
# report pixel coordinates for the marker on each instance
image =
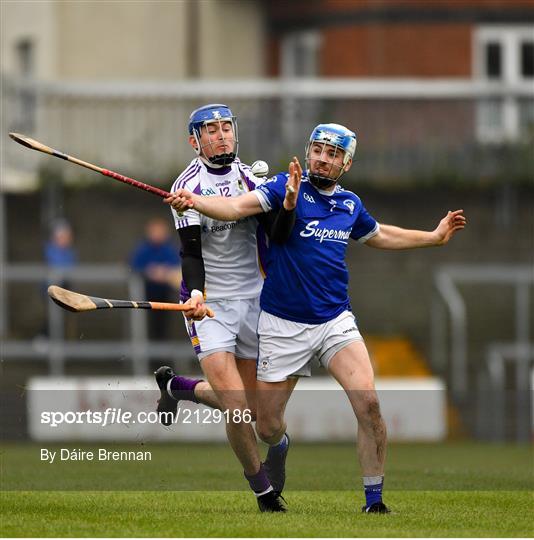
(306, 311)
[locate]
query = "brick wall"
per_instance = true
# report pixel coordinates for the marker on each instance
(400, 50)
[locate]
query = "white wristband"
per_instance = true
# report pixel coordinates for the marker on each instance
(196, 292)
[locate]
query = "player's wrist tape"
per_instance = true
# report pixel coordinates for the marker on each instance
(196, 292)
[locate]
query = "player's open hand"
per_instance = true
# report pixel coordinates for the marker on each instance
(449, 225)
(198, 309)
(181, 200)
(293, 184)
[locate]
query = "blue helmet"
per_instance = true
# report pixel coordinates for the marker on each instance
(340, 138)
(214, 112)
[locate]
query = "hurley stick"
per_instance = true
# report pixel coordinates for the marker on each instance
(40, 147)
(76, 302)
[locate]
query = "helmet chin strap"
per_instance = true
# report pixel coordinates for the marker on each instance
(218, 162)
(321, 182)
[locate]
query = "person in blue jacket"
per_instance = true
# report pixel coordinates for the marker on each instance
(157, 259)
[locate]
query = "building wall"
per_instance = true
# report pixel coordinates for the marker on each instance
(35, 21)
(403, 50)
(122, 40)
(233, 39)
(388, 38)
(158, 40)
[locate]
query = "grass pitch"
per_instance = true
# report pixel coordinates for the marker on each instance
(460, 489)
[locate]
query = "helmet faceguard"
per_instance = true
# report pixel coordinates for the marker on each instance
(219, 114)
(335, 136)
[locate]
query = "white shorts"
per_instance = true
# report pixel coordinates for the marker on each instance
(287, 348)
(233, 329)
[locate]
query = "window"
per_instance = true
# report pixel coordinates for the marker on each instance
(24, 117)
(527, 59)
(25, 57)
(493, 60)
(504, 54)
(300, 54)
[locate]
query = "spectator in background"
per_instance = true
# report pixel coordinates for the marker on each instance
(59, 254)
(157, 259)
(59, 251)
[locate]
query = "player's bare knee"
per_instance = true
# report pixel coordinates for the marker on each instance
(373, 409)
(267, 428)
(369, 411)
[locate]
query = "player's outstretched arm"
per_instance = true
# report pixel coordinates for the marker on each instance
(391, 237)
(222, 208)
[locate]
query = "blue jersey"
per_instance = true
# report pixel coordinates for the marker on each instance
(307, 278)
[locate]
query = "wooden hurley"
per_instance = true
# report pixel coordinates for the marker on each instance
(40, 147)
(76, 302)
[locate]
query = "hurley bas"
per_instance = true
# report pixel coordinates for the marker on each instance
(103, 454)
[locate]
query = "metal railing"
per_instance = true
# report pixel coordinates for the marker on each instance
(446, 282)
(449, 341)
(521, 357)
(54, 349)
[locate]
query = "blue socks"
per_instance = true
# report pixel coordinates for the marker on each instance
(281, 446)
(373, 489)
